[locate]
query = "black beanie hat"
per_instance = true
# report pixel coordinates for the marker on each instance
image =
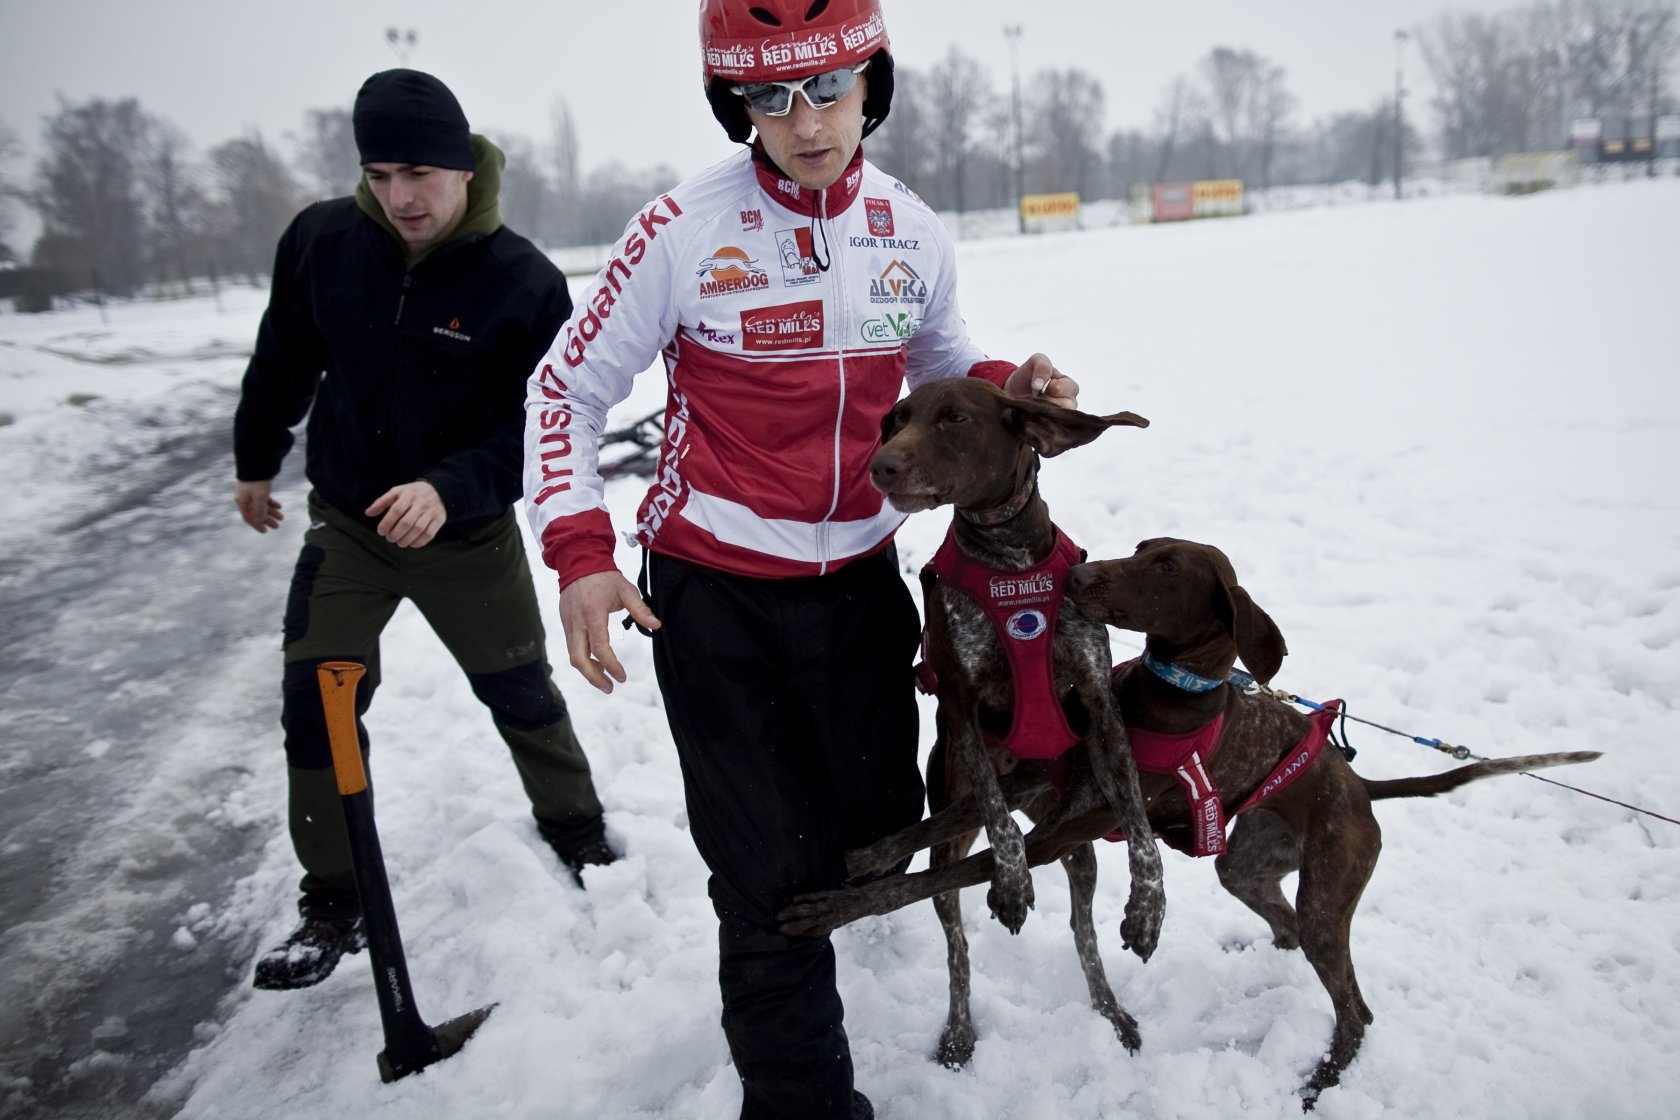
(404, 116)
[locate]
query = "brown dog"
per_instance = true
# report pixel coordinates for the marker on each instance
(962, 442)
(1199, 621)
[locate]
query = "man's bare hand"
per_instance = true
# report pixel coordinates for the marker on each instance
(1038, 377)
(413, 514)
(260, 511)
(585, 605)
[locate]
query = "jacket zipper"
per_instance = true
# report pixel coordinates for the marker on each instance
(393, 396)
(402, 300)
(838, 278)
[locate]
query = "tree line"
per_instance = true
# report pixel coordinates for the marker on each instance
(124, 200)
(1504, 83)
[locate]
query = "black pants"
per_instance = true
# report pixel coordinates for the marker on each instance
(476, 593)
(793, 709)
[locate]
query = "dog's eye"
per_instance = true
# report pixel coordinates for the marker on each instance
(1168, 567)
(954, 418)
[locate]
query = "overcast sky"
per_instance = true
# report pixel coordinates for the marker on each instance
(630, 70)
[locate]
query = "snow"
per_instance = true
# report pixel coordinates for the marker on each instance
(1440, 441)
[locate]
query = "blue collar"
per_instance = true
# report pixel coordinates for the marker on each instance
(1178, 676)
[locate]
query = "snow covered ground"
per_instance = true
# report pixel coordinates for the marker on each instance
(1440, 440)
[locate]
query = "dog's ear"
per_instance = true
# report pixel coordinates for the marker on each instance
(889, 423)
(1050, 429)
(1259, 642)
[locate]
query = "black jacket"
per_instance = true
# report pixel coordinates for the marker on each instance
(413, 374)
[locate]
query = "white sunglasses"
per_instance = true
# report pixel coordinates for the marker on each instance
(775, 99)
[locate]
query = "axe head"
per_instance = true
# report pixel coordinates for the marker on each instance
(448, 1038)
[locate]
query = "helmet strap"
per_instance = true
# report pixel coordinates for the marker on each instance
(730, 111)
(878, 100)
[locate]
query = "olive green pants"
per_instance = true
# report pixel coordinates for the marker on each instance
(476, 593)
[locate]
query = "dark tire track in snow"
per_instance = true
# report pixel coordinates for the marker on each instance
(124, 624)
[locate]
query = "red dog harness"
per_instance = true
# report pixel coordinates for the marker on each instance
(1022, 607)
(1186, 756)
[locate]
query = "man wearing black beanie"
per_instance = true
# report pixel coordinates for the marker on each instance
(403, 322)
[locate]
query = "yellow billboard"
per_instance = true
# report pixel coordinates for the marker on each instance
(1036, 207)
(1218, 197)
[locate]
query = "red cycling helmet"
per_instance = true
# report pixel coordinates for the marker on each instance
(778, 40)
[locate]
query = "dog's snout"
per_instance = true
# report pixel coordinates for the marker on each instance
(1080, 577)
(885, 468)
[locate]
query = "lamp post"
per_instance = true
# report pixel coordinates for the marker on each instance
(1399, 108)
(1012, 32)
(401, 43)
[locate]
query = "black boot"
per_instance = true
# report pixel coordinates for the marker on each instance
(579, 846)
(309, 953)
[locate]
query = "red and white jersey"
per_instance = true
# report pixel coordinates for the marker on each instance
(778, 370)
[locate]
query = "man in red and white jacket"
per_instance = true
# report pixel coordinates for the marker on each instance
(791, 291)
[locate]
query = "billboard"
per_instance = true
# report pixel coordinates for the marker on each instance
(1204, 198)
(1043, 207)
(1174, 202)
(1218, 198)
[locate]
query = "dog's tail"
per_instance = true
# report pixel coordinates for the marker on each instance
(1431, 784)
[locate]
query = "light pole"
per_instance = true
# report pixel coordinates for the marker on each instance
(1399, 108)
(1012, 32)
(401, 43)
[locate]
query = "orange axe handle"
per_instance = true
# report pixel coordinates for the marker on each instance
(338, 681)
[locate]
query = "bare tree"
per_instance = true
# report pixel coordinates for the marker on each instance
(1617, 53)
(176, 202)
(1269, 108)
(1249, 105)
(1512, 82)
(11, 150)
(1359, 146)
(257, 197)
(88, 188)
(1229, 75)
(526, 199)
(328, 153)
(1130, 160)
(992, 173)
(611, 195)
(1652, 38)
(1454, 49)
(565, 155)
(902, 146)
(960, 97)
(1180, 104)
(1065, 109)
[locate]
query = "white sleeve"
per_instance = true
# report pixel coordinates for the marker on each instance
(941, 346)
(622, 320)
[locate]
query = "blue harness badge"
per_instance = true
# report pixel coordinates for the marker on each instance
(1025, 625)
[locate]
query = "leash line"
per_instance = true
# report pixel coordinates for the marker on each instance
(1460, 753)
(1600, 796)
(1247, 683)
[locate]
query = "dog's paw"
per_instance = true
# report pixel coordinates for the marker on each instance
(815, 915)
(1010, 906)
(863, 864)
(1141, 930)
(1125, 1027)
(878, 861)
(956, 1047)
